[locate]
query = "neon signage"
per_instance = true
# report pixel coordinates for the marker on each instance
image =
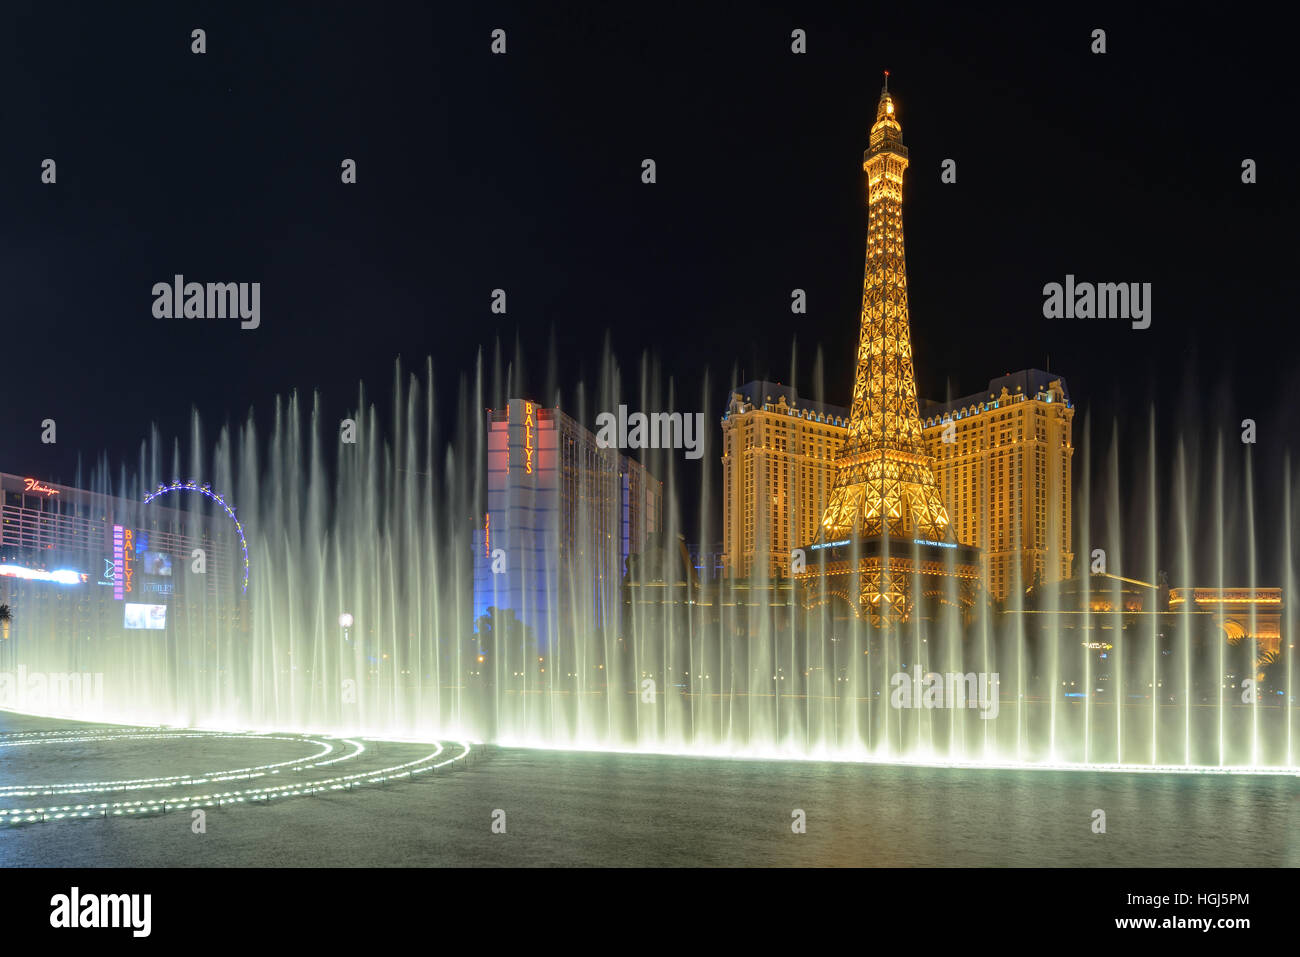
(119, 559)
(922, 541)
(31, 485)
(487, 534)
(842, 541)
(128, 556)
(528, 438)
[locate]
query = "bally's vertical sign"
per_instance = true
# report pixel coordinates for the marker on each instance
(128, 556)
(523, 437)
(530, 437)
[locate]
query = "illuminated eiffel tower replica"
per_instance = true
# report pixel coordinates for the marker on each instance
(885, 532)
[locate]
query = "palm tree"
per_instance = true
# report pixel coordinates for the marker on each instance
(6, 616)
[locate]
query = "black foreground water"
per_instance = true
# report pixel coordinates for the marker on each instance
(584, 809)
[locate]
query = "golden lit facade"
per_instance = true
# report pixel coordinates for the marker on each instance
(1003, 464)
(1005, 476)
(1244, 614)
(778, 467)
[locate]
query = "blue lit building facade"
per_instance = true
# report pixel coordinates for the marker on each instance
(563, 515)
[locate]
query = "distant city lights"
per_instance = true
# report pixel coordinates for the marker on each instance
(61, 576)
(206, 492)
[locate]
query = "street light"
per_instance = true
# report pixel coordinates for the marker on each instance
(345, 622)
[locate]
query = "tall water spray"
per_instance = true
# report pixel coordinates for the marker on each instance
(383, 530)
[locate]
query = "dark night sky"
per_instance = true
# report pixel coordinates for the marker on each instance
(478, 171)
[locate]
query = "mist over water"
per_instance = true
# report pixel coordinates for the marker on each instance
(385, 530)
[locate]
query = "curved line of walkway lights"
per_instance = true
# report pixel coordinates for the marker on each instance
(206, 491)
(183, 797)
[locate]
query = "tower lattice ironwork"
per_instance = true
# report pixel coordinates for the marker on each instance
(886, 534)
(884, 483)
